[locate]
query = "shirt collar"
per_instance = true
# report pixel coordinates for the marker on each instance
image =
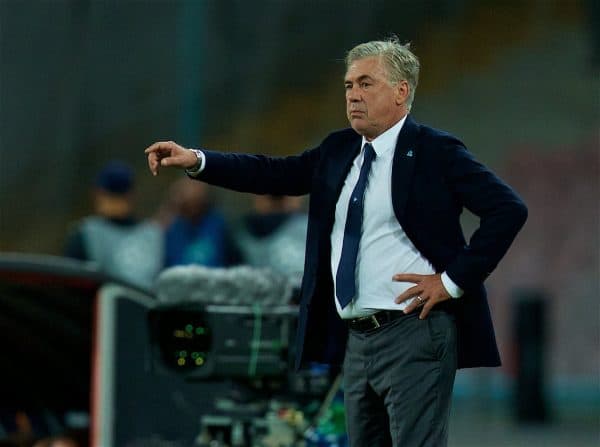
(387, 140)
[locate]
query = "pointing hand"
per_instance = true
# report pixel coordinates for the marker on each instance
(169, 153)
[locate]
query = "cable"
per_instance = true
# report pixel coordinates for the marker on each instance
(255, 344)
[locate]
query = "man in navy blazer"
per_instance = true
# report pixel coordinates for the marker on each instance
(417, 307)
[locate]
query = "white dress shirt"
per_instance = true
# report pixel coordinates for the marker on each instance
(384, 248)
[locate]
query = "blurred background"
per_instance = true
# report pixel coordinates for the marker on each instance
(88, 81)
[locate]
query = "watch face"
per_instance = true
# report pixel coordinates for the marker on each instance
(196, 168)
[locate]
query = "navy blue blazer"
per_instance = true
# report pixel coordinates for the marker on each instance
(433, 178)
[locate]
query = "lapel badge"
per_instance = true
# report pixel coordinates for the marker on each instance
(409, 153)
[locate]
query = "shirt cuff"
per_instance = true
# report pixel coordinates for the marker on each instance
(195, 171)
(451, 287)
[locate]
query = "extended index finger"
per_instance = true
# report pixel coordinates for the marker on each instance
(153, 163)
(408, 277)
(154, 154)
(159, 145)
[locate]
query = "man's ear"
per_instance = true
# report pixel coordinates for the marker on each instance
(402, 91)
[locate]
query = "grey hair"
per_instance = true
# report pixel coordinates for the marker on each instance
(400, 62)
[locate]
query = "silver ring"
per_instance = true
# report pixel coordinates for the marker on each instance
(420, 299)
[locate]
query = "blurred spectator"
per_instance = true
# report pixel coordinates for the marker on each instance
(197, 233)
(113, 238)
(274, 235)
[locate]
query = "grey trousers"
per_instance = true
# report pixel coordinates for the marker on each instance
(398, 382)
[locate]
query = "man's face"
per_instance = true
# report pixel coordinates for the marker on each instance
(373, 105)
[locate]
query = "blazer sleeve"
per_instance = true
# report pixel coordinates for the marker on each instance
(261, 174)
(501, 211)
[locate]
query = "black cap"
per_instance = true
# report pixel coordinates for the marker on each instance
(115, 177)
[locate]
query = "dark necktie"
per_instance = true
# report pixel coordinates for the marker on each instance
(345, 276)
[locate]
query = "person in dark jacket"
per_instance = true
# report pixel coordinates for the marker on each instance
(390, 284)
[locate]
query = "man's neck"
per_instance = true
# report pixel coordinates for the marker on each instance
(371, 138)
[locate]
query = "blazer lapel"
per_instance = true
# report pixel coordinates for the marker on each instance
(403, 166)
(341, 167)
(336, 171)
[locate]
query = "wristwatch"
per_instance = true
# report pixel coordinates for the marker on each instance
(195, 170)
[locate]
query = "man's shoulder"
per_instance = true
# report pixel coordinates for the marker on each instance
(434, 135)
